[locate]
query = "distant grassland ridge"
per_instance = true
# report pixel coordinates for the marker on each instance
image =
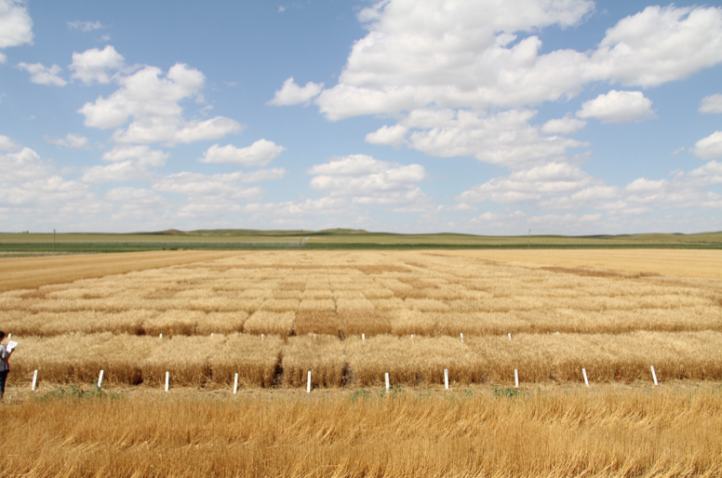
(332, 239)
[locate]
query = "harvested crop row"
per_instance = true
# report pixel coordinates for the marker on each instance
(333, 362)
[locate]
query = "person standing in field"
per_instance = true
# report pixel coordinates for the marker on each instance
(4, 367)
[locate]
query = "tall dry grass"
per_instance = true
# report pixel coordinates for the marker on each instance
(316, 322)
(79, 358)
(267, 322)
(411, 361)
(606, 357)
(672, 433)
(174, 322)
(186, 358)
(539, 358)
(322, 355)
(221, 323)
(253, 358)
(369, 322)
(433, 294)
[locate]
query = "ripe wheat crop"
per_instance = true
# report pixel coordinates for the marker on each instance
(612, 322)
(320, 354)
(668, 433)
(253, 358)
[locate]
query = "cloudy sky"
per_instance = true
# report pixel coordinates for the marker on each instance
(478, 116)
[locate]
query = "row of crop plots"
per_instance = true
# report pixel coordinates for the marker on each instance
(352, 317)
(274, 361)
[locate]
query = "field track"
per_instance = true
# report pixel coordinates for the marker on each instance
(32, 272)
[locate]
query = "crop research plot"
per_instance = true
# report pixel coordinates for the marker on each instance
(352, 317)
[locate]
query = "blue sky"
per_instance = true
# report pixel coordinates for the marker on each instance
(477, 116)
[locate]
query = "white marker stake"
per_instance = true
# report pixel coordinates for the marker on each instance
(35, 379)
(308, 387)
(160, 336)
(462, 338)
(586, 380)
(10, 336)
(509, 336)
(412, 337)
(100, 378)
(235, 385)
(654, 375)
(263, 337)
(167, 380)
(446, 378)
(387, 382)
(363, 337)
(516, 378)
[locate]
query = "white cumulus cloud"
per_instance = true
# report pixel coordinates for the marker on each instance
(85, 26)
(23, 165)
(618, 107)
(95, 65)
(152, 102)
(530, 184)
(70, 141)
(366, 180)
(658, 45)
(465, 54)
(711, 104)
(226, 186)
(709, 147)
(128, 163)
(505, 139)
(388, 135)
(259, 153)
(16, 26)
(43, 75)
(7, 144)
(293, 94)
(563, 126)
(30, 185)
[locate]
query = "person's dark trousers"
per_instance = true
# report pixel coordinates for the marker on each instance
(3, 378)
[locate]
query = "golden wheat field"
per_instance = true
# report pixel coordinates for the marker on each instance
(352, 317)
(269, 318)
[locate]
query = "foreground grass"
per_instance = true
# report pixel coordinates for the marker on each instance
(602, 431)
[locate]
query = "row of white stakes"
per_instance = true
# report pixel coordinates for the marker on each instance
(446, 379)
(308, 385)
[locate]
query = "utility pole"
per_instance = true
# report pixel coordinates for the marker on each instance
(53, 240)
